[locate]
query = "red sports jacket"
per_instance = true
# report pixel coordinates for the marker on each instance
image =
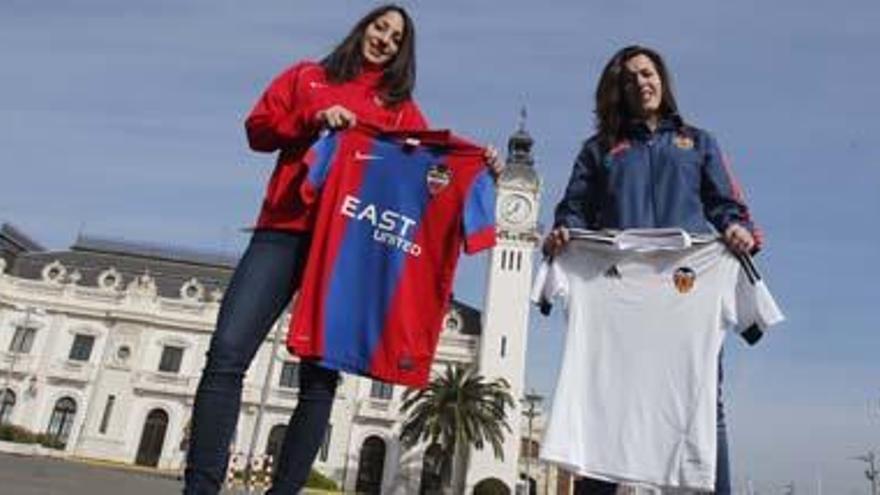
(284, 120)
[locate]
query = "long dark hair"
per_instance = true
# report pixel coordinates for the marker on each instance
(345, 62)
(612, 112)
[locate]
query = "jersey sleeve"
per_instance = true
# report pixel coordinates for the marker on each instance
(754, 309)
(478, 220)
(319, 158)
(550, 283)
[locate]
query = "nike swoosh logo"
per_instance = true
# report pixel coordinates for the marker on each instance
(315, 85)
(363, 156)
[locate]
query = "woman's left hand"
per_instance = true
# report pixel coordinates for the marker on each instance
(493, 161)
(739, 239)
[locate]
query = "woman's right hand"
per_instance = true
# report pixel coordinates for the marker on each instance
(555, 241)
(336, 117)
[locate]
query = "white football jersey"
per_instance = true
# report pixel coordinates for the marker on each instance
(636, 394)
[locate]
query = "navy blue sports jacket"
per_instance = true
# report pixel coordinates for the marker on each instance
(673, 177)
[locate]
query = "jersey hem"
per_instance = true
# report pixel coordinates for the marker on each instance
(604, 475)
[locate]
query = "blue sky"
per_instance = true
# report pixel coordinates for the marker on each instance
(125, 119)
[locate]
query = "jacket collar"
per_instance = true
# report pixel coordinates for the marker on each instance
(636, 128)
(370, 75)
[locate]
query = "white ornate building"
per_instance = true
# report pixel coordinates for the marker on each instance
(102, 346)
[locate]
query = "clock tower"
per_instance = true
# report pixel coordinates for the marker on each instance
(502, 351)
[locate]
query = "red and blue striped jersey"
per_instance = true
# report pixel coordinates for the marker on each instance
(395, 211)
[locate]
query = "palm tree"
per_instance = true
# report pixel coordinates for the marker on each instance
(458, 409)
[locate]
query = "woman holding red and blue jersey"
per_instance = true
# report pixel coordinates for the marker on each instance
(647, 168)
(369, 76)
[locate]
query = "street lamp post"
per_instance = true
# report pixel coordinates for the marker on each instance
(14, 351)
(531, 400)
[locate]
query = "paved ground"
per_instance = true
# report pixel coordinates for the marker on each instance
(21, 475)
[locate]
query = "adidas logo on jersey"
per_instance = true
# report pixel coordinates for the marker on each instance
(612, 272)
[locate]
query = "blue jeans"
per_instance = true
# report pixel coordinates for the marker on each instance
(264, 281)
(587, 486)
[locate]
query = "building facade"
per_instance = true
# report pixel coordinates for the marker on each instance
(103, 345)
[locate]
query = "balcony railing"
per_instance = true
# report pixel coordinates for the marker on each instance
(73, 371)
(378, 409)
(164, 383)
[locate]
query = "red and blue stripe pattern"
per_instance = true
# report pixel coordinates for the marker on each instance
(392, 219)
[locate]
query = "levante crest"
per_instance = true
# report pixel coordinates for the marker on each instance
(439, 176)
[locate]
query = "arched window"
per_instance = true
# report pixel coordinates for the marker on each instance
(6, 406)
(371, 466)
(276, 440)
(491, 486)
(61, 421)
(152, 438)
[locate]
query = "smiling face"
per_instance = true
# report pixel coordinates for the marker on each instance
(643, 87)
(382, 38)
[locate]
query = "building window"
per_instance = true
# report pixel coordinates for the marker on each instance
(61, 422)
(276, 440)
(123, 353)
(529, 448)
(371, 466)
(23, 340)
(453, 321)
(6, 406)
(289, 375)
(81, 349)
(503, 260)
(381, 390)
(503, 346)
(171, 358)
(325, 447)
(108, 410)
(519, 261)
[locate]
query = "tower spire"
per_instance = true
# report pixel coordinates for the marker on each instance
(519, 145)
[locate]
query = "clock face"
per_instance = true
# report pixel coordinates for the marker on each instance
(515, 209)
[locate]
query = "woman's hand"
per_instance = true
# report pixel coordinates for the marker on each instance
(336, 117)
(739, 239)
(556, 241)
(493, 161)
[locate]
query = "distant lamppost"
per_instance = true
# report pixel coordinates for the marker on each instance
(17, 347)
(531, 401)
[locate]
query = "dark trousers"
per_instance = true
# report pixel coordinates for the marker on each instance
(264, 281)
(587, 486)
